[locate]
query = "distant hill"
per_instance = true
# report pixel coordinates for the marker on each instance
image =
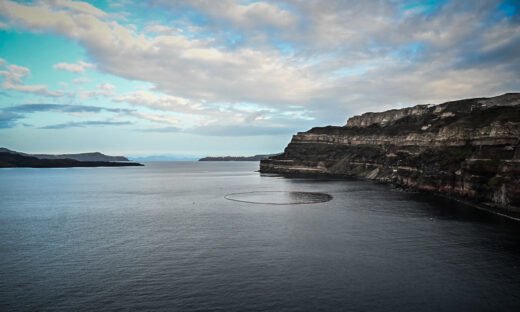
(237, 158)
(13, 160)
(94, 156)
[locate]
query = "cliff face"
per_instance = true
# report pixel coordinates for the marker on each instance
(468, 148)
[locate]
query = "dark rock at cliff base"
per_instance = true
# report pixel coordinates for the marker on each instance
(467, 149)
(13, 160)
(94, 156)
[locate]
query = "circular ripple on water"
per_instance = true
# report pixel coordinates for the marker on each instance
(279, 197)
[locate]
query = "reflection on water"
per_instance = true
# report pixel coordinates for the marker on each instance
(279, 197)
(164, 238)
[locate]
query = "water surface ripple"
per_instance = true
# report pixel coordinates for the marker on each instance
(164, 238)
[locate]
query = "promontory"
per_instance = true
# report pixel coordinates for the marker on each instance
(467, 149)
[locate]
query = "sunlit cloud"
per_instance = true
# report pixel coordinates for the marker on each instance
(104, 89)
(14, 77)
(167, 103)
(78, 6)
(242, 68)
(78, 67)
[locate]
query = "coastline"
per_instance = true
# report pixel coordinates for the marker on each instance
(497, 211)
(467, 149)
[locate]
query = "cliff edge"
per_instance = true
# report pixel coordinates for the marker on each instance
(466, 149)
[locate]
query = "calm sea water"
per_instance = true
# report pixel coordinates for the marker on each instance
(163, 237)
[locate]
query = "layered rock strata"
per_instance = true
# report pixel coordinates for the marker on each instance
(467, 149)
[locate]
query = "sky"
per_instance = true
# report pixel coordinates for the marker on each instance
(229, 77)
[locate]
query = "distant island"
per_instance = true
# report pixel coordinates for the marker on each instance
(13, 159)
(93, 156)
(237, 158)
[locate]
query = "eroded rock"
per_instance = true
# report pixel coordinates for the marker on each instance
(467, 148)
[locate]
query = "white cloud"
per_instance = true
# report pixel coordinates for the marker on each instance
(13, 80)
(175, 64)
(78, 6)
(397, 57)
(79, 67)
(166, 103)
(248, 15)
(104, 89)
(157, 118)
(163, 30)
(81, 80)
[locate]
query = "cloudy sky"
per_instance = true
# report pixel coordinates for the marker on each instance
(230, 77)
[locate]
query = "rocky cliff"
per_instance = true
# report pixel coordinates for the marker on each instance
(467, 149)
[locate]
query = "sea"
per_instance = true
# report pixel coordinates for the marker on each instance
(220, 236)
